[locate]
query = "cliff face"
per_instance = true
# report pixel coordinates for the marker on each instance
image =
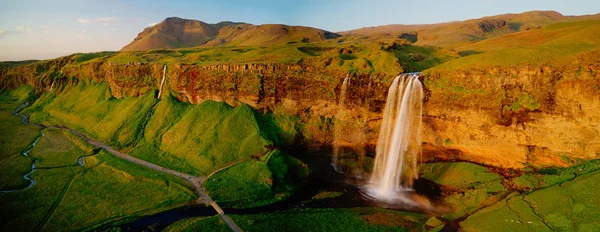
(500, 116)
(513, 116)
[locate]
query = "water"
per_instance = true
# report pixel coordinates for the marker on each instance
(162, 81)
(337, 131)
(399, 142)
(323, 178)
(27, 176)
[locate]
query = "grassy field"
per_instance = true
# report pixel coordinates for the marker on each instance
(59, 148)
(65, 194)
(570, 206)
(467, 186)
(64, 197)
(555, 44)
(356, 219)
(257, 182)
(15, 138)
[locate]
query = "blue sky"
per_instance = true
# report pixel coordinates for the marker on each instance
(41, 29)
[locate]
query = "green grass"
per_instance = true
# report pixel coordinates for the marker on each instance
(554, 44)
(15, 137)
(113, 188)
(569, 206)
(469, 186)
(212, 134)
(257, 182)
(554, 176)
(358, 219)
(57, 148)
(91, 109)
(456, 174)
(513, 214)
(27, 210)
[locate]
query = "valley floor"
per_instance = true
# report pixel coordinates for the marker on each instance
(79, 185)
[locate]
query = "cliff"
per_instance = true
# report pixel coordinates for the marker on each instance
(500, 116)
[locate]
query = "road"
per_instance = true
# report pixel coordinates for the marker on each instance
(195, 181)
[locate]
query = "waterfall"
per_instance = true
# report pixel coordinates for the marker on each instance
(162, 82)
(399, 143)
(337, 130)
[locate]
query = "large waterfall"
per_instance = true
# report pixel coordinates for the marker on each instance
(337, 130)
(399, 143)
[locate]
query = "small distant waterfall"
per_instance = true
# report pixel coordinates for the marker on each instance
(337, 130)
(162, 82)
(399, 143)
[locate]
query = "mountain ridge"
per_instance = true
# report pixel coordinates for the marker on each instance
(175, 32)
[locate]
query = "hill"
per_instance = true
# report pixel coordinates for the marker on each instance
(176, 32)
(451, 34)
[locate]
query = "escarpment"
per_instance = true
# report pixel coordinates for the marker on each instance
(501, 116)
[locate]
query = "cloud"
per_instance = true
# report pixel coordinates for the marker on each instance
(82, 20)
(152, 24)
(4, 33)
(23, 29)
(106, 21)
(17, 30)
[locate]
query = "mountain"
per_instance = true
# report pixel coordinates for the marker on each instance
(455, 33)
(179, 33)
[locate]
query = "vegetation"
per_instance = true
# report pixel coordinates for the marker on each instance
(554, 44)
(357, 219)
(195, 139)
(467, 186)
(64, 192)
(257, 182)
(457, 174)
(15, 139)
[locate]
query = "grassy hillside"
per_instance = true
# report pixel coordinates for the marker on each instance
(452, 34)
(194, 139)
(555, 44)
(65, 192)
(182, 33)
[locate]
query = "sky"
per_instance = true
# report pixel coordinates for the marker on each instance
(43, 29)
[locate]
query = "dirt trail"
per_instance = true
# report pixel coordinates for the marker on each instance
(195, 181)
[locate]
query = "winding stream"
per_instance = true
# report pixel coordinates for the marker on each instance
(25, 120)
(34, 161)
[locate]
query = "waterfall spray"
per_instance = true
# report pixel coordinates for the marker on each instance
(337, 130)
(399, 143)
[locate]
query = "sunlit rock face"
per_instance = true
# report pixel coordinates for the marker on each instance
(509, 117)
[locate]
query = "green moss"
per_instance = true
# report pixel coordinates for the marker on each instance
(456, 174)
(525, 101)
